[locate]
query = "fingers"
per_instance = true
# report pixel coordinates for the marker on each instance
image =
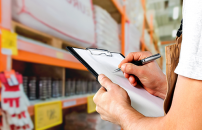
(130, 57)
(131, 79)
(126, 75)
(129, 68)
(105, 82)
(135, 56)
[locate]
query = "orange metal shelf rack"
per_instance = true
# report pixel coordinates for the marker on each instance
(66, 103)
(44, 54)
(28, 49)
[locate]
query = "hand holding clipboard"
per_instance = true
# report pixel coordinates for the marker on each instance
(99, 61)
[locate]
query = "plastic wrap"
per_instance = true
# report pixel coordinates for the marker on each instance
(66, 19)
(132, 38)
(107, 31)
(135, 13)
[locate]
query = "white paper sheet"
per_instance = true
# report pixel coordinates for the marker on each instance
(141, 100)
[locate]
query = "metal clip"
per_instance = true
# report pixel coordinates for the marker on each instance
(99, 52)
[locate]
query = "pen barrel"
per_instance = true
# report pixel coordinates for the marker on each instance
(138, 63)
(150, 59)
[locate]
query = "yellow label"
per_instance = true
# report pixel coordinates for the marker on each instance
(9, 41)
(91, 107)
(59, 55)
(48, 115)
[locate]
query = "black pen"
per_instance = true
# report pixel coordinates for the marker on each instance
(143, 61)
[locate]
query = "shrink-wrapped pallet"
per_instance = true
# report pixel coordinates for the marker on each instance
(66, 19)
(107, 31)
(135, 13)
(132, 38)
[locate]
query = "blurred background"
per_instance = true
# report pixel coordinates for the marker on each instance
(35, 33)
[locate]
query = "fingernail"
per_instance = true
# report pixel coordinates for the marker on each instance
(130, 79)
(101, 77)
(123, 67)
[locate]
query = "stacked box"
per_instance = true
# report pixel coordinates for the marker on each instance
(135, 13)
(69, 20)
(132, 38)
(107, 31)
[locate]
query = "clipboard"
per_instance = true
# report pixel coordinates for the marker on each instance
(100, 61)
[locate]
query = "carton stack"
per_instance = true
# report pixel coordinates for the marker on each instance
(107, 31)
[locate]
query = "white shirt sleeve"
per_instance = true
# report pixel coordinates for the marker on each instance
(190, 63)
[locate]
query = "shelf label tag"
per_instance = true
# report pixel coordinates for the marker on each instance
(69, 103)
(9, 41)
(91, 107)
(59, 55)
(48, 115)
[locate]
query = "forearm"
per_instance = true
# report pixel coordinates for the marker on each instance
(160, 87)
(162, 90)
(133, 120)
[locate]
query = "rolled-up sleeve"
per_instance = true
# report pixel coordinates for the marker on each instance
(190, 63)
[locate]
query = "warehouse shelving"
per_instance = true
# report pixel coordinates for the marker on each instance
(27, 49)
(67, 102)
(121, 9)
(36, 52)
(167, 42)
(148, 25)
(45, 54)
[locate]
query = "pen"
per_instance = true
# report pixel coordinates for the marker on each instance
(143, 61)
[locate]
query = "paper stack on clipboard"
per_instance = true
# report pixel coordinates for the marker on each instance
(99, 61)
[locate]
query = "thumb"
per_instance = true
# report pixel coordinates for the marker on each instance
(130, 68)
(106, 82)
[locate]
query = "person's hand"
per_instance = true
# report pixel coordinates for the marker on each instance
(150, 75)
(112, 102)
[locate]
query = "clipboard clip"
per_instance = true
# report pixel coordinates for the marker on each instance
(99, 52)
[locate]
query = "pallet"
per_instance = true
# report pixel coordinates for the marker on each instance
(40, 36)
